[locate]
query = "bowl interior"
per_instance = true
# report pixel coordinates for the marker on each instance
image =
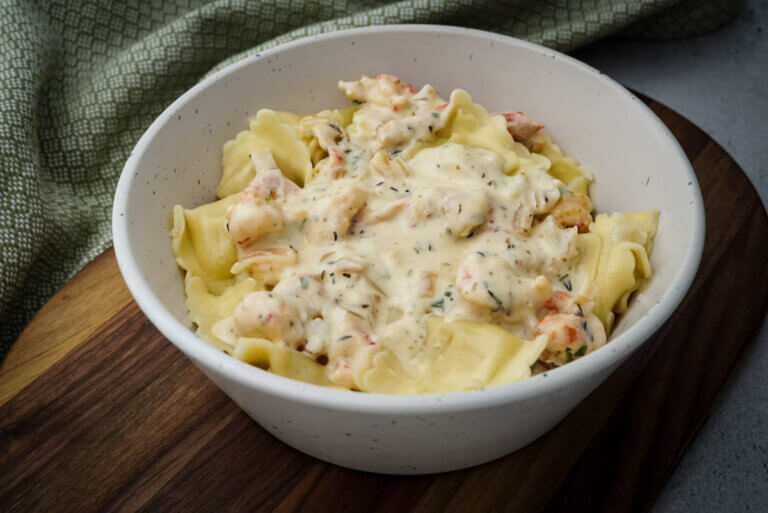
(636, 163)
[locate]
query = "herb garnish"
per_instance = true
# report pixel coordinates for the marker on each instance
(496, 300)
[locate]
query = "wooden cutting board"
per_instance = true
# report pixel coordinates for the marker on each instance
(101, 413)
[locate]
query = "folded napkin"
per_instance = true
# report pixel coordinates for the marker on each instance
(80, 80)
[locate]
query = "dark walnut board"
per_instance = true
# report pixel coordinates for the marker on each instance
(101, 413)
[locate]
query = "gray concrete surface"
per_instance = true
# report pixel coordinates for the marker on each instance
(720, 82)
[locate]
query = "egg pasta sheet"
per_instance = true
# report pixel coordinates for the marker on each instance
(405, 244)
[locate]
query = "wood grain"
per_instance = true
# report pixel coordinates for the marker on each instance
(64, 322)
(109, 416)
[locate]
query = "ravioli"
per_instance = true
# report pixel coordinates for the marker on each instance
(406, 244)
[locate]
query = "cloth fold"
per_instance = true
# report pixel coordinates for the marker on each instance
(80, 80)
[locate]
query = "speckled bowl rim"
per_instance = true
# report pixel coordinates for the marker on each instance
(386, 404)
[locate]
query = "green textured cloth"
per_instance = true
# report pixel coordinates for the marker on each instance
(81, 80)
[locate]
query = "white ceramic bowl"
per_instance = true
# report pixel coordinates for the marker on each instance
(637, 163)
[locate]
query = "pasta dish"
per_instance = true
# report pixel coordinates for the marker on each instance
(405, 244)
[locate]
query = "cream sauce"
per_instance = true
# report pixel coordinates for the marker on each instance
(373, 244)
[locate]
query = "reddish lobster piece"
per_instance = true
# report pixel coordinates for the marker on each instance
(520, 126)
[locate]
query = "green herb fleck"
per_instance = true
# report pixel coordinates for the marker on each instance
(496, 300)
